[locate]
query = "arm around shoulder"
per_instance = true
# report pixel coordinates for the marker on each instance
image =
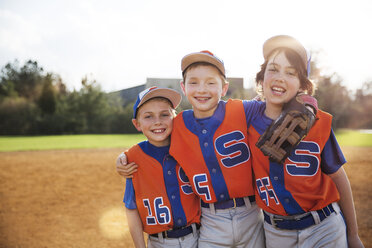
(346, 203)
(123, 168)
(135, 227)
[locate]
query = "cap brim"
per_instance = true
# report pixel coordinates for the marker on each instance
(172, 95)
(284, 41)
(201, 57)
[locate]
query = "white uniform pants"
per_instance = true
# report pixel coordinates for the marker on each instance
(188, 241)
(331, 232)
(234, 227)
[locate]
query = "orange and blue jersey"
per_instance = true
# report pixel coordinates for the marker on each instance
(160, 190)
(214, 151)
(302, 183)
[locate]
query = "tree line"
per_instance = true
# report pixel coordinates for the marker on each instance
(35, 102)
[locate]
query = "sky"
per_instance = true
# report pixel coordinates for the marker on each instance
(121, 43)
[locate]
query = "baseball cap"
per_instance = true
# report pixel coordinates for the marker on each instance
(172, 95)
(288, 42)
(202, 56)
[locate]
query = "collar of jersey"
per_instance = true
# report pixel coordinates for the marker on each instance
(156, 152)
(210, 123)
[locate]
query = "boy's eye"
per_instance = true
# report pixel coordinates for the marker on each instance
(272, 69)
(147, 116)
(292, 73)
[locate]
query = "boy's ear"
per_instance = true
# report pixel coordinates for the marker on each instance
(182, 84)
(136, 125)
(225, 88)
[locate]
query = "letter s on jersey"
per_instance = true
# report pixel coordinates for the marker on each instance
(186, 187)
(201, 186)
(305, 163)
(233, 147)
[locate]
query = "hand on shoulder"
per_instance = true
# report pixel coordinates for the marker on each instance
(123, 168)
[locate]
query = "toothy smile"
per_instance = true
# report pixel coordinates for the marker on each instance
(278, 90)
(162, 130)
(202, 99)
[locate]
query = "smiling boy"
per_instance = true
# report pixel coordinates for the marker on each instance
(211, 143)
(159, 199)
(307, 199)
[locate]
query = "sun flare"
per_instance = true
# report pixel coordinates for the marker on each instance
(113, 223)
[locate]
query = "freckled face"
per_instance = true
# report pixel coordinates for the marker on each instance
(281, 82)
(204, 88)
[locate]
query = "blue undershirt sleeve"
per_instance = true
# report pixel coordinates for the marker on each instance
(252, 108)
(129, 196)
(332, 156)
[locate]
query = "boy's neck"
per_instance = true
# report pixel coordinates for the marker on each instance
(160, 143)
(273, 112)
(206, 114)
(198, 116)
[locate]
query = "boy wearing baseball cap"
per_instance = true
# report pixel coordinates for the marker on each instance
(158, 198)
(210, 141)
(307, 199)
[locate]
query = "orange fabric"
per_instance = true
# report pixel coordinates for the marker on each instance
(311, 192)
(150, 190)
(185, 148)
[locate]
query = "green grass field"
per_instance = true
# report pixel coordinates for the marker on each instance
(55, 142)
(23, 143)
(347, 137)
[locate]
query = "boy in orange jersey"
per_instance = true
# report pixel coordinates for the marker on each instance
(158, 198)
(211, 141)
(302, 197)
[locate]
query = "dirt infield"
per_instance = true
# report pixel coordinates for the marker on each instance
(74, 198)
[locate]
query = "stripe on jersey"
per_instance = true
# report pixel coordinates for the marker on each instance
(218, 181)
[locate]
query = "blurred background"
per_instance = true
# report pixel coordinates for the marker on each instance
(71, 67)
(70, 71)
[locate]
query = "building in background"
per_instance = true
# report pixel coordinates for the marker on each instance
(129, 95)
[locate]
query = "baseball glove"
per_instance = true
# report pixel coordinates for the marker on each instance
(286, 132)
